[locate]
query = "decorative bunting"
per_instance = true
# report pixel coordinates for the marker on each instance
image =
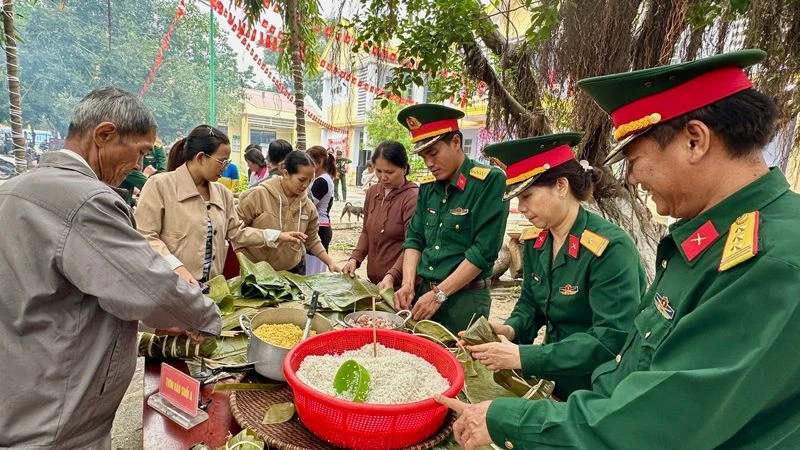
(164, 46)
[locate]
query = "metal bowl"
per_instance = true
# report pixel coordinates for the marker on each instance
(268, 358)
(396, 318)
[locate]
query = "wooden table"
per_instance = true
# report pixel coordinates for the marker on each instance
(158, 432)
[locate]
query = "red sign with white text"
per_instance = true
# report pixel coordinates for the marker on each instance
(180, 389)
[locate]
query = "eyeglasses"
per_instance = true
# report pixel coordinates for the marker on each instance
(222, 162)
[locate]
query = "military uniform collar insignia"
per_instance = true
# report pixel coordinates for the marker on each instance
(699, 240)
(574, 246)
(540, 241)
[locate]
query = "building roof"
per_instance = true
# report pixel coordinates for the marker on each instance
(268, 100)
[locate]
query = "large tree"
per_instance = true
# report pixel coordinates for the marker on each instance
(12, 74)
(299, 55)
(566, 41)
(66, 53)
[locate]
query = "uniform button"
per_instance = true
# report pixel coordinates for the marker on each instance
(214, 258)
(440, 225)
(647, 335)
(430, 268)
(457, 227)
(444, 200)
(215, 232)
(509, 445)
(381, 231)
(664, 264)
(208, 206)
(437, 247)
(618, 358)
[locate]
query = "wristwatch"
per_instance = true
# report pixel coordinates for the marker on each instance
(439, 295)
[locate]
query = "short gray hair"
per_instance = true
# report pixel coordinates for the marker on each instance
(110, 104)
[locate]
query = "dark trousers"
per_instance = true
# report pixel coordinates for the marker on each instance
(341, 180)
(457, 312)
(325, 235)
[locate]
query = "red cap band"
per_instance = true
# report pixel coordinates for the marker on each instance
(539, 163)
(431, 129)
(679, 100)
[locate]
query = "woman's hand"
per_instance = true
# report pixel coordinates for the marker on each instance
(295, 237)
(386, 283)
(497, 355)
(350, 267)
(502, 329)
(186, 275)
(334, 268)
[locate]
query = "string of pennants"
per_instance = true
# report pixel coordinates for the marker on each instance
(164, 46)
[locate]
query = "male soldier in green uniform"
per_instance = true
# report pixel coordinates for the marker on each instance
(458, 226)
(153, 162)
(583, 277)
(711, 361)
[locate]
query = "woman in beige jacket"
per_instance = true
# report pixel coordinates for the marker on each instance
(282, 203)
(186, 216)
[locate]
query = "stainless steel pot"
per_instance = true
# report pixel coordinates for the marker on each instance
(268, 358)
(396, 318)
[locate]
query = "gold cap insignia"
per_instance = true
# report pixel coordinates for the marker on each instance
(413, 123)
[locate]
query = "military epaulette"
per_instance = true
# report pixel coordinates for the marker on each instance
(427, 179)
(529, 233)
(594, 242)
(480, 172)
(742, 242)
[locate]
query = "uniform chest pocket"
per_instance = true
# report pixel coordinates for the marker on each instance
(457, 222)
(431, 218)
(651, 330)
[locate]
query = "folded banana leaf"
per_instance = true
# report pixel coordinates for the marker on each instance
(230, 351)
(245, 440)
(181, 346)
(260, 280)
(481, 332)
(337, 291)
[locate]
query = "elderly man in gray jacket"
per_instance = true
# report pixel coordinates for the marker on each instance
(77, 277)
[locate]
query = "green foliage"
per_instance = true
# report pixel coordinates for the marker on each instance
(428, 32)
(66, 54)
(703, 13)
(382, 125)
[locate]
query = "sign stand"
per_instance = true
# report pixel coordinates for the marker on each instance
(177, 398)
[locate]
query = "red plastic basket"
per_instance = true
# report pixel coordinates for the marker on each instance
(369, 426)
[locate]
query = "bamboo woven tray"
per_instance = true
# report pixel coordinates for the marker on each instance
(249, 407)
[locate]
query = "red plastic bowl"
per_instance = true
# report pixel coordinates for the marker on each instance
(370, 426)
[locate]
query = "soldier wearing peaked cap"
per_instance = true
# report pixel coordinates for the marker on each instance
(583, 277)
(710, 361)
(457, 229)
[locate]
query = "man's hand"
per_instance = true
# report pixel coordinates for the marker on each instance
(149, 170)
(426, 306)
(404, 296)
(470, 428)
(295, 237)
(186, 275)
(497, 355)
(350, 267)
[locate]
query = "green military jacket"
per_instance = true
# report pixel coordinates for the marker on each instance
(156, 158)
(711, 361)
(587, 297)
(462, 219)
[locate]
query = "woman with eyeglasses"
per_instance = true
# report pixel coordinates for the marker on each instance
(187, 216)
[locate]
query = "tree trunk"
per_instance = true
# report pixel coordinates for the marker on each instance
(15, 101)
(297, 73)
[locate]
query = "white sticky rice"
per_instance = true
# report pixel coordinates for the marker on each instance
(395, 376)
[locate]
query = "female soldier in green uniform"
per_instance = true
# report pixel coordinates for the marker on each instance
(583, 277)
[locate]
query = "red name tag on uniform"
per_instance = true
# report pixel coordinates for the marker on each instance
(180, 389)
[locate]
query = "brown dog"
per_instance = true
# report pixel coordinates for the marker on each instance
(349, 209)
